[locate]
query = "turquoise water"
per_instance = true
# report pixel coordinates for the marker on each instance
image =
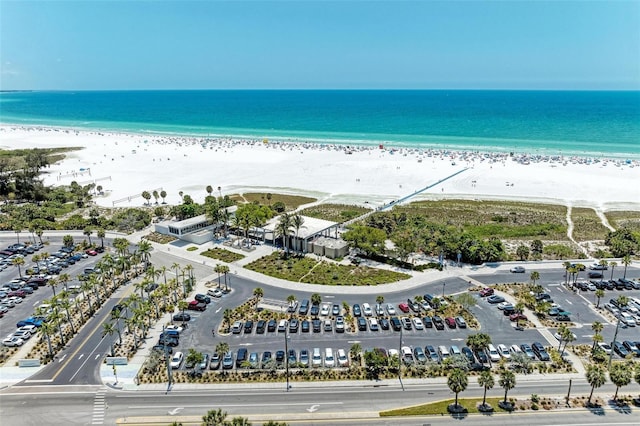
(542, 122)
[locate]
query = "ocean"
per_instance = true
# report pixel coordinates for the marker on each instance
(590, 123)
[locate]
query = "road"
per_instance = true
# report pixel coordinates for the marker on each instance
(78, 405)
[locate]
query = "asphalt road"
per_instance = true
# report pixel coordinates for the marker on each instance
(79, 405)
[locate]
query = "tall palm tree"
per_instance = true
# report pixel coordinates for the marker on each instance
(597, 328)
(457, 382)
(599, 295)
(222, 348)
(109, 329)
(258, 293)
(39, 233)
(189, 270)
(487, 382)
(282, 230)
(85, 287)
(613, 265)
(225, 270)
(507, 381)
(596, 377)
(535, 276)
(144, 248)
(65, 304)
(380, 299)
(566, 265)
(218, 270)
(64, 279)
(620, 375)
(215, 418)
(53, 282)
(18, 262)
(479, 342)
(88, 231)
(101, 233)
(48, 329)
(297, 222)
(626, 261)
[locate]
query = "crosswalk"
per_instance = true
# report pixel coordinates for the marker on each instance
(98, 408)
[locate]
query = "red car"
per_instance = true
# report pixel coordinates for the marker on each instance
(17, 293)
(517, 317)
(91, 252)
(486, 292)
(194, 305)
(451, 322)
(404, 307)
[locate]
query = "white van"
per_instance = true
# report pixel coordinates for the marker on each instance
(282, 326)
(316, 358)
(443, 352)
(494, 356)
(343, 360)
(329, 361)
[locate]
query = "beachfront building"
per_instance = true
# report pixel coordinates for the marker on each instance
(197, 230)
(316, 236)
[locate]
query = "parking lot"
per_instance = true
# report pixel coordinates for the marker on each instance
(26, 307)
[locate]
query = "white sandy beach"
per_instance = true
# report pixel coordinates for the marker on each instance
(127, 164)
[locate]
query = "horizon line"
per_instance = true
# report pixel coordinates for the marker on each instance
(300, 89)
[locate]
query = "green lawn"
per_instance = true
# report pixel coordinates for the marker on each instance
(291, 202)
(587, 225)
(223, 255)
(308, 270)
(335, 212)
(440, 407)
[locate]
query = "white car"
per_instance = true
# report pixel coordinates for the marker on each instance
(605, 347)
(174, 327)
(504, 351)
(503, 305)
(16, 299)
(390, 309)
(8, 303)
(366, 310)
(627, 319)
(559, 337)
(32, 329)
(515, 349)
(343, 360)
(417, 324)
(373, 324)
(494, 356)
(24, 335)
(214, 292)
(176, 360)
(325, 309)
(12, 341)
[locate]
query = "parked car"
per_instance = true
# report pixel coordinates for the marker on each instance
(356, 310)
(404, 307)
(540, 351)
(373, 324)
(487, 291)
(431, 353)
(271, 325)
(227, 361)
(12, 341)
(438, 322)
(335, 309)
(461, 322)
(451, 323)
(605, 347)
(362, 324)
(343, 360)
(419, 354)
(305, 326)
(366, 310)
(176, 360)
(395, 323)
(629, 345)
(391, 310)
(214, 364)
(261, 326)
(504, 351)
(494, 355)
(495, 299)
(526, 349)
(417, 323)
(202, 298)
(619, 348)
(406, 323)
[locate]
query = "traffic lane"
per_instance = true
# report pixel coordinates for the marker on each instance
(78, 362)
(499, 327)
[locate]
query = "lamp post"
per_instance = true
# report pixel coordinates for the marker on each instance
(443, 284)
(286, 353)
(400, 360)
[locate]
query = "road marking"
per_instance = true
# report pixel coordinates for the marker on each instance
(569, 302)
(146, 407)
(39, 381)
(85, 361)
(330, 297)
(313, 408)
(174, 411)
(80, 357)
(457, 340)
(353, 341)
(218, 310)
(98, 408)
(62, 359)
(98, 356)
(245, 344)
(36, 303)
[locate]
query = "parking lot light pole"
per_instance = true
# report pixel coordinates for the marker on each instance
(400, 360)
(443, 284)
(286, 353)
(615, 336)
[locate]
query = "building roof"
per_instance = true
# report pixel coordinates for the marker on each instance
(328, 242)
(310, 226)
(180, 224)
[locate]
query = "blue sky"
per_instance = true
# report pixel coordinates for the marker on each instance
(107, 45)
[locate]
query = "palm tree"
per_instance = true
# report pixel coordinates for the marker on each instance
(214, 418)
(101, 233)
(620, 375)
(189, 270)
(566, 265)
(48, 329)
(226, 315)
(355, 352)
(626, 261)
(487, 382)
(85, 287)
(316, 299)
(109, 329)
(535, 276)
(613, 265)
(39, 233)
(209, 189)
(479, 342)
(222, 348)
(597, 328)
(380, 299)
(144, 248)
(217, 269)
(225, 270)
(88, 231)
(258, 293)
(53, 282)
(282, 230)
(239, 421)
(507, 381)
(457, 382)
(18, 262)
(66, 304)
(297, 221)
(599, 295)
(64, 279)
(596, 377)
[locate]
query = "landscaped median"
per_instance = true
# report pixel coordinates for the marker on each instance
(222, 254)
(312, 271)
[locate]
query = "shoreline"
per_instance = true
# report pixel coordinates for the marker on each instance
(358, 143)
(126, 164)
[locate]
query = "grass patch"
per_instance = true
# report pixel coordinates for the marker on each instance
(335, 212)
(291, 202)
(192, 248)
(223, 255)
(307, 270)
(440, 407)
(587, 225)
(502, 219)
(628, 219)
(159, 238)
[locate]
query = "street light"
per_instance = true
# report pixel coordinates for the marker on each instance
(400, 360)
(286, 352)
(443, 283)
